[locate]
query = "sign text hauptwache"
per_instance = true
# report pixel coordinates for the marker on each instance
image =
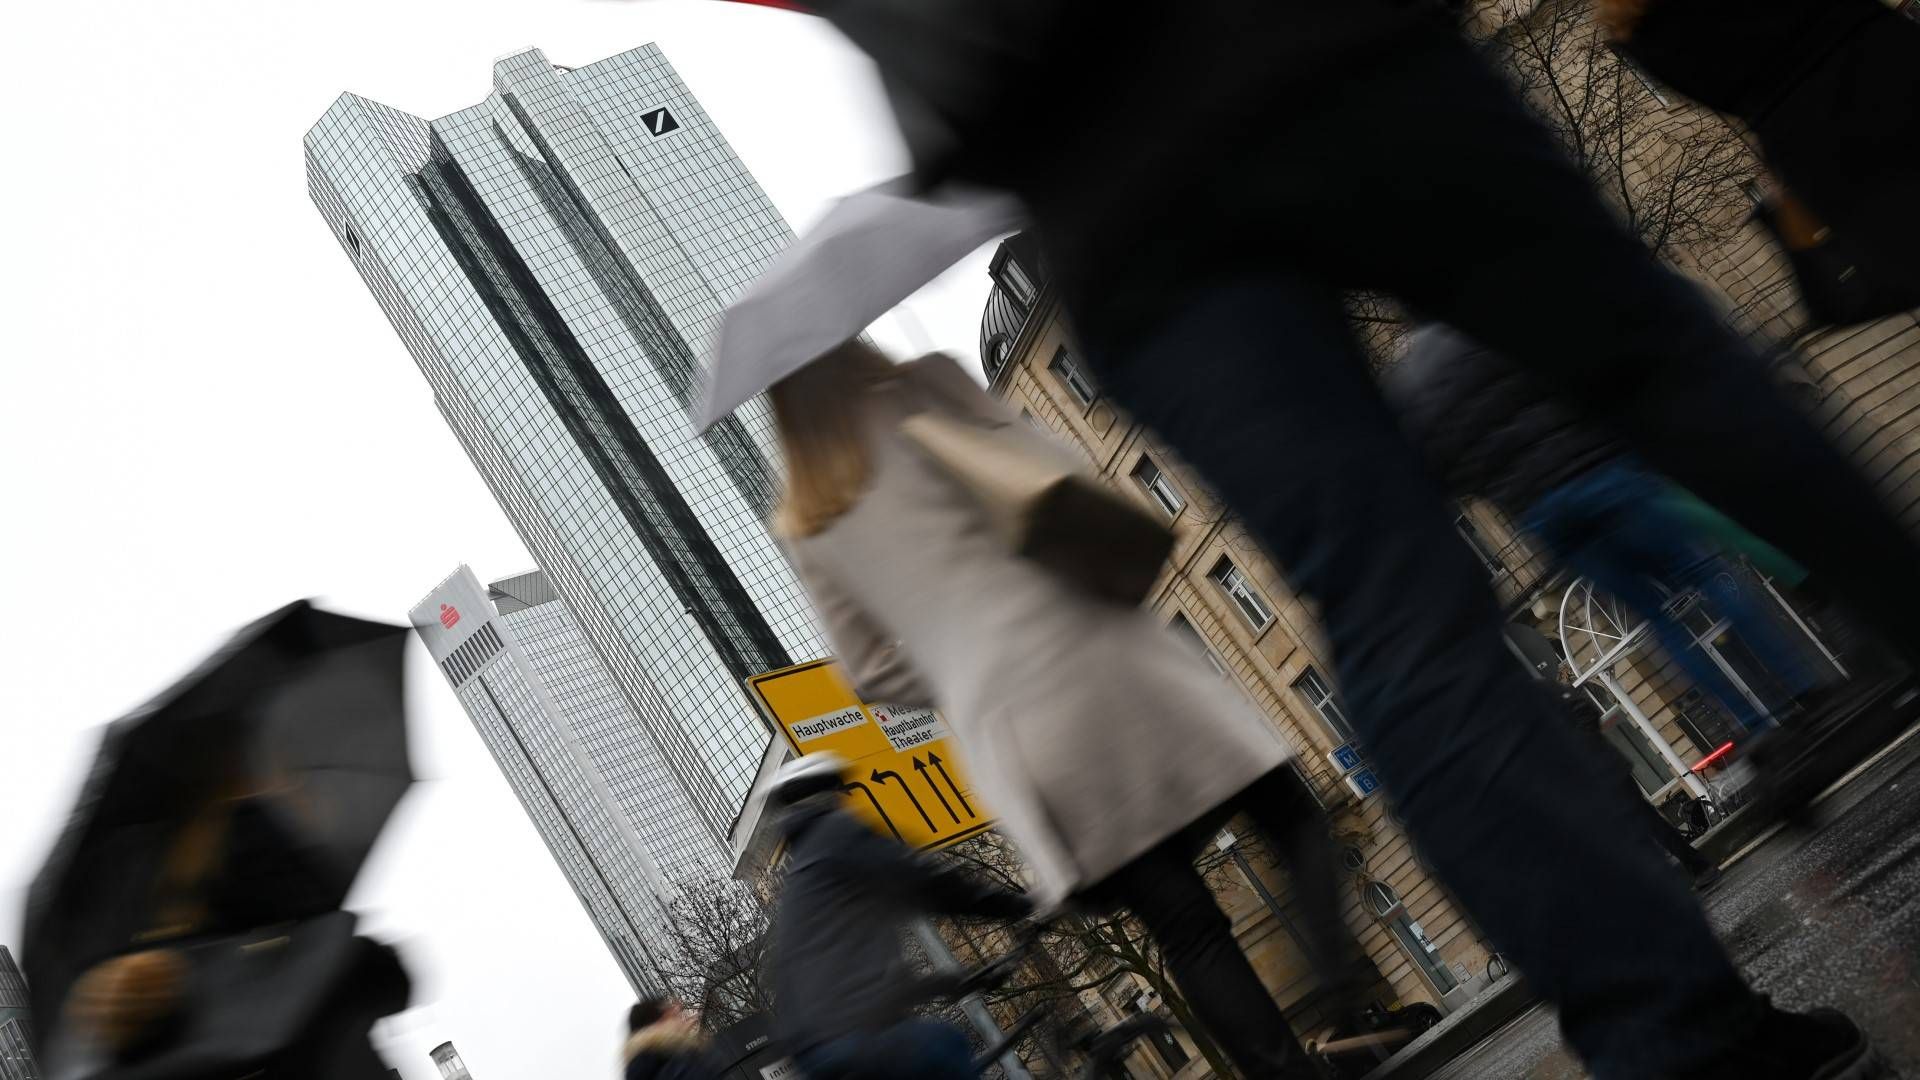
(907, 779)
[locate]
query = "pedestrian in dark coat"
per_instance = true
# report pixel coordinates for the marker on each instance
(665, 1042)
(844, 994)
(1205, 202)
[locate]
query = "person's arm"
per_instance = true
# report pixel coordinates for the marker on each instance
(874, 661)
(921, 882)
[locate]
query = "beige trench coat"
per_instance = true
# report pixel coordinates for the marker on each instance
(1089, 729)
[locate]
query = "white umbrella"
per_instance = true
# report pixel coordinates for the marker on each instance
(874, 249)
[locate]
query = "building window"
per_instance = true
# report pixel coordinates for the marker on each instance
(1477, 543)
(1320, 698)
(1186, 631)
(1019, 286)
(1067, 370)
(997, 354)
(1159, 485)
(1385, 905)
(1241, 592)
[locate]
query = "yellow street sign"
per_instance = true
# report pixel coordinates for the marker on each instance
(907, 780)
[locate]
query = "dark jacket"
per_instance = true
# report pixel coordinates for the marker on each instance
(1095, 113)
(669, 1052)
(1487, 428)
(1832, 90)
(838, 965)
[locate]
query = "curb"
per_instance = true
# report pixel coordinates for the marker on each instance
(1495, 1007)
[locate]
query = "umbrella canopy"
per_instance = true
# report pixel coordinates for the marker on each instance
(872, 250)
(248, 792)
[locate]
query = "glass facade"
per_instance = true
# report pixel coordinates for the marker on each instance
(16, 1055)
(557, 258)
(598, 721)
(447, 1060)
(595, 787)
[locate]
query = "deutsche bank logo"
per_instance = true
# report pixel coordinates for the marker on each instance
(659, 122)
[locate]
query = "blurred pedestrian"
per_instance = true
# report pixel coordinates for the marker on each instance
(844, 995)
(1831, 91)
(665, 1042)
(1489, 429)
(1109, 752)
(188, 923)
(1204, 204)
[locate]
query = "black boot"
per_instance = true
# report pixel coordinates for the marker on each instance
(1818, 1045)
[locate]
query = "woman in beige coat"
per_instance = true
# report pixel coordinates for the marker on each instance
(1107, 750)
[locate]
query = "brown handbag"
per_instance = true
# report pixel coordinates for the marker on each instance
(1045, 507)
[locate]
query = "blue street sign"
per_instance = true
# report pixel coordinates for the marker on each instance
(1363, 782)
(1346, 757)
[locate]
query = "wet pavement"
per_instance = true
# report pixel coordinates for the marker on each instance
(1825, 916)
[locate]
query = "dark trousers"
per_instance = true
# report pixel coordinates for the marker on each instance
(1173, 901)
(1611, 525)
(913, 1050)
(1416, 171)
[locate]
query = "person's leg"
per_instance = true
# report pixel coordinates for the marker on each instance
(1617, 573)
(1660, 545)
(1259, 384)
(1169, 897)
(1285, 811)
(1592, 524)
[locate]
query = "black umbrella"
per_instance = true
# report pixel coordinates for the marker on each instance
(248, 793)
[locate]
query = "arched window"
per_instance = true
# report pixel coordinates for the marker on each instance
(996, 356)
(1384, 904)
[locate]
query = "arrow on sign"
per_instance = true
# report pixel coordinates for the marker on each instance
(848, 789)
(933, 760)
(921, 768)
(881, 778)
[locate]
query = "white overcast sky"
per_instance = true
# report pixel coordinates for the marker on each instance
(206, 415)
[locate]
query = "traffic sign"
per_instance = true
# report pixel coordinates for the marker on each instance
(907, 780)
(1363, 782)
(1345, 757)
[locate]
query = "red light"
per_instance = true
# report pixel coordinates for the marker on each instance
(1701, 765)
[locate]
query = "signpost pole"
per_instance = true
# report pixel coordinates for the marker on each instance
(1230, 844)
(976, 1009)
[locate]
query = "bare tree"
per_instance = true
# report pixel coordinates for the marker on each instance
(1676, 175)
(1080, 952)
(719, 931)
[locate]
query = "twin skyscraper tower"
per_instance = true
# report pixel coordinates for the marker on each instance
(556, 258)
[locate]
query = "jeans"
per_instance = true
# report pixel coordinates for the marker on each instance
(1611, 524)
(910, 1050)
(1171, 899)
(1219, 323)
